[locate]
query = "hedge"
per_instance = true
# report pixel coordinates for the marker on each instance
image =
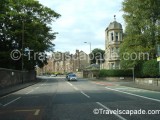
(150, 68)
(115, 73)
(143, 69)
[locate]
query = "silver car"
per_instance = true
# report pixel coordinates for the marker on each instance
(71, 77)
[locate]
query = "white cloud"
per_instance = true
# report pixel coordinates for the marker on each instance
(83, 20)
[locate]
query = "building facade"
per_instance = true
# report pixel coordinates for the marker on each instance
(65, 62)
(113, 39)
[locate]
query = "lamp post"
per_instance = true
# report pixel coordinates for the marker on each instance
(22, 42)
(89, 45)
(22, 47)
(90, 49)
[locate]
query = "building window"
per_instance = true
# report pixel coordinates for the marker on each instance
(116, 36)
(120, 36)
(117, 65)
(112, 37)
(112, 66)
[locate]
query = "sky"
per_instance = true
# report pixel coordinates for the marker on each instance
(83, 21)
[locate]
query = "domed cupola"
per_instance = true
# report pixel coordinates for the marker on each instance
(114, 25)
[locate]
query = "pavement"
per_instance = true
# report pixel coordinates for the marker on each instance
(130, 84)
(146, 87)
(14, 88)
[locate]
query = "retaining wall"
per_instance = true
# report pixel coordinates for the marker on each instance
(9, 77)
(148, 81)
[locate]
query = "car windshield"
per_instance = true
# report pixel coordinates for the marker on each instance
(72, 75)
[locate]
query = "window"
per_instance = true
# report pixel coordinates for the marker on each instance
(116, 36)
(112, 66)
(112, 36)
(120, 36)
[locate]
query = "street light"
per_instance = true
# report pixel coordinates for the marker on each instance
(90, 49)
(89, 44)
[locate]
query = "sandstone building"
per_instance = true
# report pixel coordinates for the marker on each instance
(113, 38)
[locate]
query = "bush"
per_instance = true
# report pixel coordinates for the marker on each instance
(115, 73)
(139, 70)
(150, 68)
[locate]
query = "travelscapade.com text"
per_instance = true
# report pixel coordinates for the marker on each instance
(102, 111)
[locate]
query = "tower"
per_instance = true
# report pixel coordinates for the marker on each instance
(113, 38)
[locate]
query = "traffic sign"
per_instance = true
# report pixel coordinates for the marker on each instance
(158, 59)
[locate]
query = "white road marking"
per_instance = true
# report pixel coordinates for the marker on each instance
(75, 88)
(6, 95)
(36, 87)
(29, 91)
(133, 94)
(69, 83)
(85, 94)
(120, 117)
(11, 101)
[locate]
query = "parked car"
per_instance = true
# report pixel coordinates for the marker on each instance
(71, 77)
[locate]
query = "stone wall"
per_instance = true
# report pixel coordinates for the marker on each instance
(90, 73)
(148, 81)
(9, 77)
(79, 74)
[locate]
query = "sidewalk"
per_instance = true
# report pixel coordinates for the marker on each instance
(8, 90)
(146, 87)
(130, 84)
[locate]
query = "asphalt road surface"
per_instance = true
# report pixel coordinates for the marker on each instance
(57, 99)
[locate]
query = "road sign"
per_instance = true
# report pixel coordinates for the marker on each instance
(158, 59)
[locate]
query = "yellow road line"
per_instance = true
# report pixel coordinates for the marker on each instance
(35, 113)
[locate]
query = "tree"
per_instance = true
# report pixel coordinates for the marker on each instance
(142, 31)
(97, 55)
(25, 24)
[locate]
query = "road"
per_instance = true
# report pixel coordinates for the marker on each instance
(57, 99)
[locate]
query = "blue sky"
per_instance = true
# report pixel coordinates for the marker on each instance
(83, 21)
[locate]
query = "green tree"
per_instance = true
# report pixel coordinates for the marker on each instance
(97, 55)
(25, 24)
(142, 30)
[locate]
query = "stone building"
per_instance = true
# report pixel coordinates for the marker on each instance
(65, 62)
(113, 38)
